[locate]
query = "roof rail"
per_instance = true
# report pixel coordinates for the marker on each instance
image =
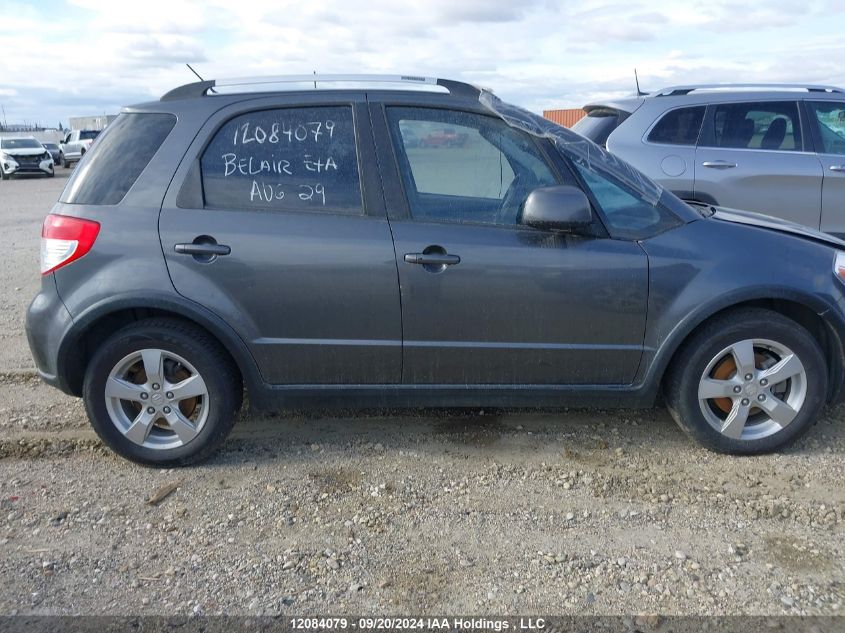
(201, 88)
(684, 90)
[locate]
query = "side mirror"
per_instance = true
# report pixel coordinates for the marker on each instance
(560, 208)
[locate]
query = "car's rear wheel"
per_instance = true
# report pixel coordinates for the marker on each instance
(162, 392)
(751, 381)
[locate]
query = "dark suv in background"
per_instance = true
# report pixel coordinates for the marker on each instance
(309, 247)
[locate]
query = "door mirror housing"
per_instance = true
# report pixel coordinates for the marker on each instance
(559, 208)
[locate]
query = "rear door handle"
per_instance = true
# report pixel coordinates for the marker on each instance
(202, 249)
(435, 259)
(837, 168)
(718, 164)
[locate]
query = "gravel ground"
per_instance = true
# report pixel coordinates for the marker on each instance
(567, 512)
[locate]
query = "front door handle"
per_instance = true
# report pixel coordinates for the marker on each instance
(837, 168)
(718, 164)
(202, 249)
(433, 259)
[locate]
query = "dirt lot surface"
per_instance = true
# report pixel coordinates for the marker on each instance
(579, 511)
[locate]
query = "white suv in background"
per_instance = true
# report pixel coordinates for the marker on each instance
(74, 145)
(24, 155)
(775, 149)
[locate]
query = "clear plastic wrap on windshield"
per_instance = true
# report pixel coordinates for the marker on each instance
(576, 147)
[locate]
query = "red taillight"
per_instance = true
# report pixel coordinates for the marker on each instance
(65, 239)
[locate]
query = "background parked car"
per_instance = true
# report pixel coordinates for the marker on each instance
(55, 152)
(777, 149)
(444, 137)
(74, 145)
(24, 155)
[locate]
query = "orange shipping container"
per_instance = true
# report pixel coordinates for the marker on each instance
(566, 118)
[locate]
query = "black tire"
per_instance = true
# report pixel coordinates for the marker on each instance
(3, 175)
(64, 161)
(687, 368)
(216, 367)
(51, 174)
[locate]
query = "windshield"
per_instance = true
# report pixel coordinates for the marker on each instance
(598, 124)
(20, 143)
(50, 145)
(582, 151)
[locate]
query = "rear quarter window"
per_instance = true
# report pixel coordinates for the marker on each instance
(118, 157)
(678, 127)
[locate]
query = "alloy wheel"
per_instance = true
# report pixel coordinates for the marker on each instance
(752, 389)
(156, 399)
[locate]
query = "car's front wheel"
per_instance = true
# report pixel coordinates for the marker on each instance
(64, 161)
(162, 392)
(749, 382)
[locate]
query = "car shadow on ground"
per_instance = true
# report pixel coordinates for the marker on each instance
(491, 432)
(497, 432)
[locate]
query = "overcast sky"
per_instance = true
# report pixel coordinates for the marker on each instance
(87, 57)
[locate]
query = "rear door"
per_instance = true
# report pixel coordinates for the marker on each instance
(278, 226)
(755, 156)
(828, 119)
(486, 300)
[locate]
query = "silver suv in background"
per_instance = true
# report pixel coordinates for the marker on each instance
(775, 149)
(74, 145)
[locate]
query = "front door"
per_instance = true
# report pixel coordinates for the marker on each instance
(276, 231)
(486, 300)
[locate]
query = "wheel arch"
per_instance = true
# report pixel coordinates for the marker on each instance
(102, 320)
(808, 312)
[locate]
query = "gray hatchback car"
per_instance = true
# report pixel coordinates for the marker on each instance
(775, 149)
(423, 246)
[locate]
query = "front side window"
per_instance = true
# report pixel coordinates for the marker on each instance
(627, 214)
(830, 116)
(768, 125)
(465, 167)
(287, 159)
(678, 127)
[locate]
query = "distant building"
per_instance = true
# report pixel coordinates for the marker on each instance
(566, 118)
(91, 122)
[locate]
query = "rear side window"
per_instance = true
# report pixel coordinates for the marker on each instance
(287, 159)
(766, 125)
(125, 149)
(88, 135)
(598, 124)
(678, 127)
